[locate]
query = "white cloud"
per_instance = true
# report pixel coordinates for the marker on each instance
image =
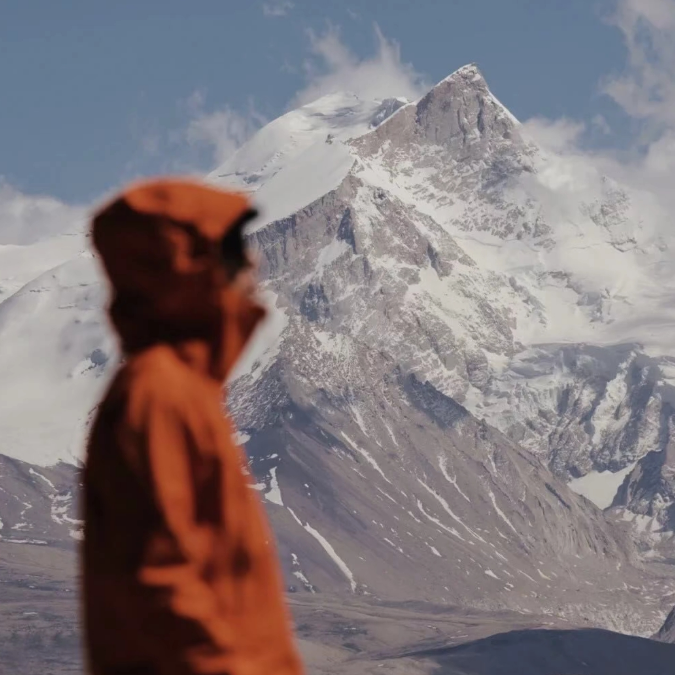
(645, 91)
(568, 174)
(557, 135)
(276, 9)
(223, 131)
(600, 123)
(333, 67)
(26, 219)
(219, 132)
(203, 137)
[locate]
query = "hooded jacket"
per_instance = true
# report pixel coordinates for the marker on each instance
(180, 575)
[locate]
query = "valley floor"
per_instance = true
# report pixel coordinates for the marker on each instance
(39, 633)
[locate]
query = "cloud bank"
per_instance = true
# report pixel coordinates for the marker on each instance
(645, 91)
(26, 219)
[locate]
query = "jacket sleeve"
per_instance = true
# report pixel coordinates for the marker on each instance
(189, 632)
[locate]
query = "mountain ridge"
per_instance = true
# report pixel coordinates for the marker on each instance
(411, 411)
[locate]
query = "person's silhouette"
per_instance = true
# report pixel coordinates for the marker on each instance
(180, 575)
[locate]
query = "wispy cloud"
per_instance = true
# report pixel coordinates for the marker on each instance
(203, 138)
(556, 135)
(221, 131)
(600, 123)
(277, 9)
(645, 91)
(25, 219)
(333, 67)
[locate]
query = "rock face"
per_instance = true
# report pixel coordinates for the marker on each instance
(440, 374)
(601, 417)
(38, 506)
(594, 403)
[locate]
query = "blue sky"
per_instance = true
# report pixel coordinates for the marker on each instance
(94, 94)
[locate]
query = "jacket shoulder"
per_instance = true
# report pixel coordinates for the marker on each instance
(157, 381)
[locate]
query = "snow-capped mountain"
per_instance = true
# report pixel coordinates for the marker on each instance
(451, 357)
(55, 346)
(512, 262)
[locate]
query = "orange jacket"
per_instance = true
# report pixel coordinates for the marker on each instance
(179, 568)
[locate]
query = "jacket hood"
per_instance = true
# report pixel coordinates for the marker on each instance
(160, 244)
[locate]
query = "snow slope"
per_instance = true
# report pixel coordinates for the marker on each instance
(280, 164)
(58, 349)
(601, 487)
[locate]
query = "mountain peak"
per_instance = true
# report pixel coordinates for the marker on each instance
(461, 112)
(459, 116)
(466, 92)
(468, 73)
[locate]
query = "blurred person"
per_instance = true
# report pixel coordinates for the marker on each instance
(180, 575)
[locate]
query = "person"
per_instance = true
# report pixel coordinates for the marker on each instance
(179, 568)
